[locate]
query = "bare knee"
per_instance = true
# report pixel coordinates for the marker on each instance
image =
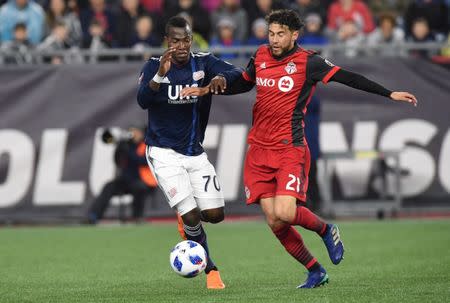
(213, 216)
(273, 221)
(285, 210)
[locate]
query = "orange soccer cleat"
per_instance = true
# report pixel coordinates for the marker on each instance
(214, 281)
(180, 227)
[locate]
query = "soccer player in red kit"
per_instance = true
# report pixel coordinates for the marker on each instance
(277, 161)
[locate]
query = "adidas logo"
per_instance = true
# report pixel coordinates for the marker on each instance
(263, 65)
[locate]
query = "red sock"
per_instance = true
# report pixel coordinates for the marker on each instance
(293, 243)
(307, 219)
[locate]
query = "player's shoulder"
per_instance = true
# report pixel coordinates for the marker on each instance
(263, 50)
(203, 57)
(201, 54)
(152, 63)
(306, 52)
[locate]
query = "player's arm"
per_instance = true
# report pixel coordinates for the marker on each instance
(362, 83)
(320, 69)
(243, 83)
(164, 66)
(227, 82)
(151, 76)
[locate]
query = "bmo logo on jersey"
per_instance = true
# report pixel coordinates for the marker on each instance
(285, 84)
(265, 82)
(174, 94)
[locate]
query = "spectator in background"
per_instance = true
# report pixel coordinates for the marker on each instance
(436, 14)
(201, 24)
(97, 40)
(386, 33)
(198, 42)
(58, 41)
(260, 8)
(355, 11)
(307, 7)
(57, 13)
(97, 15)
(380, 7)
(153, 6)
(420, 33)
(144, 36)
(351, 36)
(18, 48)
(232, 10)
(210, 5)
(130, 12)
(259, 33)
(225, 37)
(22, 11)
(313, 31)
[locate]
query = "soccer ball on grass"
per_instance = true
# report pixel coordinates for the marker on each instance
(188, 259)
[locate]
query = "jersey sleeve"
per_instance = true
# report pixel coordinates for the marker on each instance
(216, 66)
(319, 69)
(145, 93)
(249, 73)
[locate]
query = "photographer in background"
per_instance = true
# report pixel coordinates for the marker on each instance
(133, 175)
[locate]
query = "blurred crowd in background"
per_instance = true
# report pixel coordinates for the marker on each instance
(55, 25)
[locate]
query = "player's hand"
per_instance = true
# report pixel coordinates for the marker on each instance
(404, 97)
(165, 62)
(194, 91)
(218, 85)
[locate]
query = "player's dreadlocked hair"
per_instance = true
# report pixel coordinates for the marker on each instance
(286, 17)
(176, 21)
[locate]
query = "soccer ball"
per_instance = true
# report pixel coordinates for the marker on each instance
(188, 259)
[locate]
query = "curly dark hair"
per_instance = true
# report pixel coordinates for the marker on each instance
(286, 17)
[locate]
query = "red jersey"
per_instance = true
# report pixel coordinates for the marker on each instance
(284, 87)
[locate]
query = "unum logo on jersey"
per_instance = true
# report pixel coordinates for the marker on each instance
(174, 91)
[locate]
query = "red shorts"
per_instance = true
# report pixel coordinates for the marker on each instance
(268, 172)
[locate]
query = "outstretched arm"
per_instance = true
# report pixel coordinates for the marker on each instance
(362, 83)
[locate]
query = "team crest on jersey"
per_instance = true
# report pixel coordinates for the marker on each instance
(198, 75)
(290, 68)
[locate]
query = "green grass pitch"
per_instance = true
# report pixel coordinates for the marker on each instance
(386, 261)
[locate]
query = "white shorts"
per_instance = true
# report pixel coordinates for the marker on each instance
(180, 176)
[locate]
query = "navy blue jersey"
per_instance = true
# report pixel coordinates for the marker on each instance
(175, 122)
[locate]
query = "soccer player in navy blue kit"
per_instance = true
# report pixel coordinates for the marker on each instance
(176, 130)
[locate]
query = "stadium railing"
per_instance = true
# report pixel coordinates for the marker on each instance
(87, 56)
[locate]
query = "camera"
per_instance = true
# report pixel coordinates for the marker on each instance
(116, 135)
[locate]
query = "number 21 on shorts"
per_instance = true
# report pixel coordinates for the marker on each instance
(293, 183)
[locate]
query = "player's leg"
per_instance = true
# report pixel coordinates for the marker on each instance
(292, 241)
(209, 198)
(194, 231)
(292, 185)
